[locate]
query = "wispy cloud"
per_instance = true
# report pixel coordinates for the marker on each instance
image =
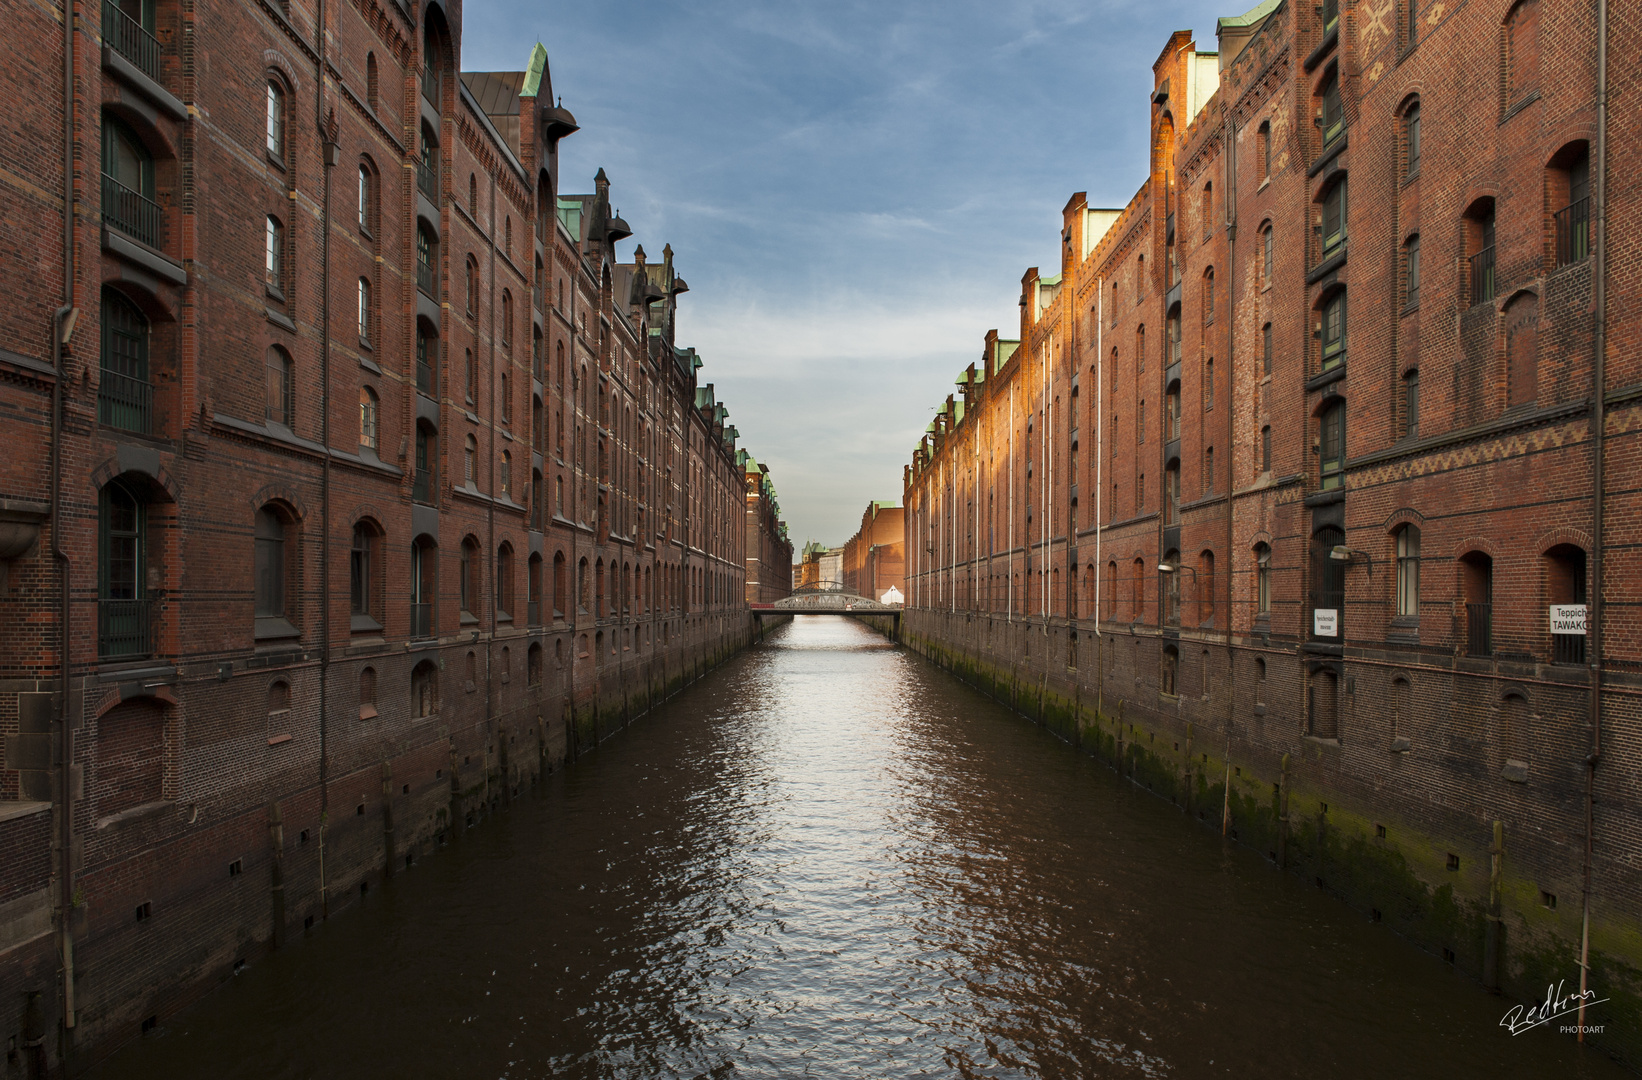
(852, 189)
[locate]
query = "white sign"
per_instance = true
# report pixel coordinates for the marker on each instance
(1568, 619)
(1325, 622)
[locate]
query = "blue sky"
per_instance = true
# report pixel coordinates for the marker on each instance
(851, 189)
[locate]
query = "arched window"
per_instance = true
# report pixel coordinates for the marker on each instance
(470, 458)
(1259, 680)
(1565, 590)
(1332, 445)
(473, 199)
(561, 584)
(1266, 253)
(363, 578)
(1205, 589)
(433, 70)
(1408, 573)
(269, 571)
(1208, 295)
(1570, 184)
(1208, 385)
(367, 200)
(1171, 492)
(123, 611)
(1265, 448)
(507, 397)
(1411, 141)
(470, 277)
(277, 397)
(1521, 51)
(1171, 412)
(1169, 671)
(584, 583)
(424, 689)
(372, 84)
(276, 121)
(424, 587)
(274, 256)
(1171, 342)
(1265, 150)
(1262, 579)
(1208, 470)
(468, 576)
(507, 321)
(423, 485)
(279, 697)
(367, 417)
(1479, 245)
(533, 665)
(507, 475)
(365, 312)
(504, 582)
(125, 393)
(1266, 349)
(128, 184)
(1411, 404)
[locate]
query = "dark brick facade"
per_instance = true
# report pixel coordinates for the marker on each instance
(383, 486)
(1272, 496)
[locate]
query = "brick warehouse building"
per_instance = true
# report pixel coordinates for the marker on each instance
(769, 551)
(1308, 591)
(875, 557)
(352, 483)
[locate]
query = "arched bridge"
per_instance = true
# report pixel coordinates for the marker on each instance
(828, 599)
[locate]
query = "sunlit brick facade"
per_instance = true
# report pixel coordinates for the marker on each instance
(1279, 492)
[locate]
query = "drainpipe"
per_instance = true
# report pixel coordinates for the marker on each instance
(331, 153)
(490, 514)
(62, 323)
(1599, 297)
(1230, 196)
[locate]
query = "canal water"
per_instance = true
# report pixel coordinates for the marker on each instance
(829, 858)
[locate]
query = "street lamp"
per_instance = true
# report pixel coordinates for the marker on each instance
(1342, 553)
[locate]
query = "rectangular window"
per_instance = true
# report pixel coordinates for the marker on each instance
(1408, 573)
(1334, 119)
(1411, 405)
(1411, 136)
(1265, 448)
(1265, 349)
(275, 255)
(1332, 449)
(1411, 272)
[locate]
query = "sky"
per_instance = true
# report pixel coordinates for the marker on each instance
(852, 190)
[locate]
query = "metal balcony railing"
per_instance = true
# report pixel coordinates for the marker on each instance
(427, 180)
(131, 212)
(422, 487)
(127, 37)
(125, 629)
(425, 279)
(1482, 276)
(1479, 624)
(421, 620)
(125, 402)
(424, 377)
(1573, 232)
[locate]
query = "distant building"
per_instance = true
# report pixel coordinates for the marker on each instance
(769, 552)
(819, 566)
(875, 557)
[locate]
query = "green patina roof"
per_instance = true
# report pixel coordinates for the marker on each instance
(1253, 15)
(1049, 280)
(538, 64)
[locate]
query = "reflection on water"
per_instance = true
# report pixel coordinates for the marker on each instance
(831, 859)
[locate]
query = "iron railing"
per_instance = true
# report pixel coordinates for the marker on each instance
(125, 629)
(124, 402)
(1482, 275)
(424, 377)
(1479, 625)
(127, 37)
(533, 612)
(425, 279)
(1567, 648)
(131, 212)
(1573, 232)
(427, 180)
(421, 620)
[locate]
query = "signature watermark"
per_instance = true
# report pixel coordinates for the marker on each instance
(1557, 1004)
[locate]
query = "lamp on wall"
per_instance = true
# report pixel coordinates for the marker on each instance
(1342, 553)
